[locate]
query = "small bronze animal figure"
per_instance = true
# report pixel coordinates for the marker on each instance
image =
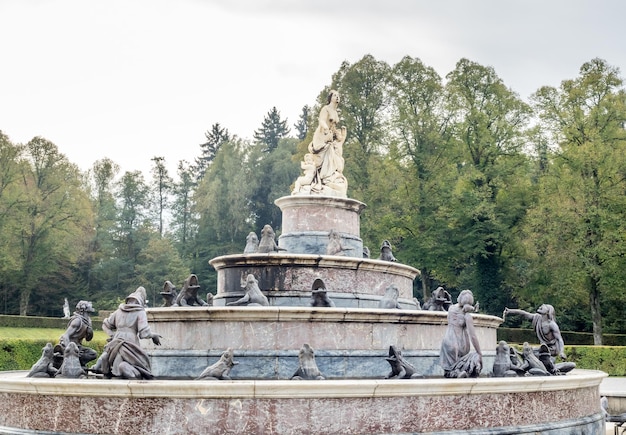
(532, 365)
(334, 244)
(502, 366)
(268, 242)
(253, 295)
(385, 252)
(188, 295)
(400, 368)
(221, 369)
(44, 367)
(319, 297)
(169, 294)
(252, 243)
(440, 300)
(390, 300)
(308, 367)
(366, 252)
(71, 367)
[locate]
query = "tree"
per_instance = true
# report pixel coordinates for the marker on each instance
(302, 126)
(271, 175)
(420, 129)
(223, 207)
(214, 139)
(184, 220)
(133, 229)
(578, 221)
(162, 185)
(157, 263)
(56, 218)
(363, 88)
(272, 130)
(102, 249)
(488, 122)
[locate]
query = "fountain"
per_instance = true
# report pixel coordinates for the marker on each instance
(353, 337)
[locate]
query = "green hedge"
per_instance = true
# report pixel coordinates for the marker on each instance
(519, 336)
(609, 359)
(40, 322)
(20, 354)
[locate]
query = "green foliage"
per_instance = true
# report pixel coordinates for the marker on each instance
(273, 129)
(609, 359)
(21, 354)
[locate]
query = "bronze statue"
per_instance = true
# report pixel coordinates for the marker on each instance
(169, 294)
(385, 252)
(44, 367)
(440, 300)
(390, 300)
(221, 369)
(319, 297)
(268, 242)
(252, 243)
(545, 326)
(123, 355)
(307, 369)
(71, 367)
(455, 357)
(503, 365)
(79, 328)
(253, 295)
(188, 295)
(400, 368)
(334, 244)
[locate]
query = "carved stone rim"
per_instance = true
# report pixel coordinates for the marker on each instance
(309, 260)
(285, 202)
(309, 314)
(16, 382)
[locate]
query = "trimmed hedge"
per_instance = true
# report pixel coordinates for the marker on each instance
(518, 335)
(21, 354)
(40, 322)
(609, 359)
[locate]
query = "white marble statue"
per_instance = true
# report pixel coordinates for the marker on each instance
(323, 166)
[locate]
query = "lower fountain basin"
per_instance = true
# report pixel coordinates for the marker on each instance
(552, 405)
(348, 342)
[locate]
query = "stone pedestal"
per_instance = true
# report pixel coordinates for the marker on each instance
(308, 220)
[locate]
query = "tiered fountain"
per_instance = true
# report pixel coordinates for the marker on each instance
(351, 342)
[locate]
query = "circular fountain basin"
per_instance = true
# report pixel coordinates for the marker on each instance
(348, 342)
(534, 405)
(286, 279)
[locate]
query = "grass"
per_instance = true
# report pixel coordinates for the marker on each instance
(49, 334)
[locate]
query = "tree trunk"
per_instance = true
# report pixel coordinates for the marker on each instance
(24, 300)
(426, 284)
(596, 315)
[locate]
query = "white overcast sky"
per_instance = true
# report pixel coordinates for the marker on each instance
(134, 79)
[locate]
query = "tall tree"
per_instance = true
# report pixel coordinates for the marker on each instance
(162, 185)
(133, 227)
(184, 220)
(488, 122)
(578, 222)
(214, 139)
(223, 207)
(363, 88)
(272, 130)
(302, 126)
(420, 128)
(102, 250)
(56, 215)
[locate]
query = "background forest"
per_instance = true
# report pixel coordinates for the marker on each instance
(522, 202)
